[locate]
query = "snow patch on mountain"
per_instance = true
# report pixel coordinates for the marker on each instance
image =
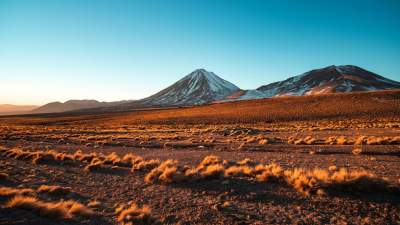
(331, 79)
(198, 87)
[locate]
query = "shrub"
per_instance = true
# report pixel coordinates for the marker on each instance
(53, 210)
(304, 182)
(357, 151)
(76, 208)
(291, 140)
(246, 162)
(242, 170)
(171, 175)
(210, 160)
(394, 140)
(54, 190)
(360, 181)
(79, 155)
(299, 142)
(310, 140)
(332, 168)
(94, 165)
(3, 176)
(342, 141)
(167, 171)
(267, 172)
(213, 171)
(361, 140)
(330, 140)
(136, 215)
(263, 142)
(93, 204)
(11, 192)
(318, 181)
(112, 158)
(49, 210)
(145, 165)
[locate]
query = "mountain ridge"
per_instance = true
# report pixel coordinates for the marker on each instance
(203, 87)
(71, 105)
(330, 79)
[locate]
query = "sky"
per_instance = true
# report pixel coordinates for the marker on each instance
(57, 50)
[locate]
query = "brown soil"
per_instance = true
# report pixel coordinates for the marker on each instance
(214, 201)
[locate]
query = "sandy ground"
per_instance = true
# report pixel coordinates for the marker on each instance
(206, 202)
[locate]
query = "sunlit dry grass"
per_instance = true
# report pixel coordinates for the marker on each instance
(167, 172)
(54, 210)
(8, 192)
(54, 190)
(318, 181)
(135, 215)
(3, 176)
(94, 165)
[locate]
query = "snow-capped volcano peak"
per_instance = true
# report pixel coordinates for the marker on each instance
(198, 87)
(215, 83)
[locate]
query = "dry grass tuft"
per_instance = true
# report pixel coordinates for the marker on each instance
(318, 181)
(210, 160)
(49, 210)
(330, 140)
(4, 176)
(94, 204)
(332, 168)
(130, 157)
(80, 156)
(357, 151)
(246, 162)
(171, 175)
(112, 158)
(304, 182)
(266, 172)
(76, 208)
(310, 140)
(53, 210)
(168, 172)
(145, 165)
(11, 192)
(54, 190)
(239, 171)
(77, 155)
(264, 142)
(136, 215)
(361, 140)
(19, 154)
(343, 141)
(94, 165)
(212, 171)
(302, 141)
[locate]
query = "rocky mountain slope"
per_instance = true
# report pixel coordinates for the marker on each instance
(197, 88)
(331, 79)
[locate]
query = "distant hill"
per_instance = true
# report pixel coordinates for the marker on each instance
(8, 109)
(373, 105)
(55, 107)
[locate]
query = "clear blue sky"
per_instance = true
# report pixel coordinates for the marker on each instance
(114, 50)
